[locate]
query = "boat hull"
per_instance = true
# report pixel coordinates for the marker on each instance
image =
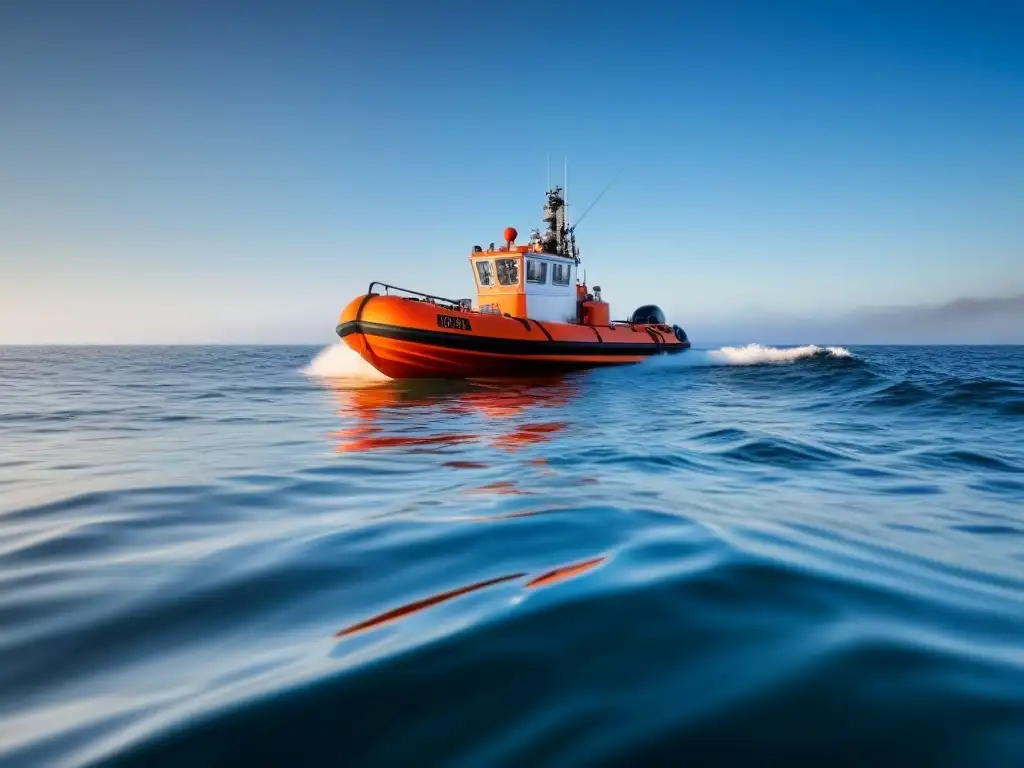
(408, 338)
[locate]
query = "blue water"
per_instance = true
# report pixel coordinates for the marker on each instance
(215, 556)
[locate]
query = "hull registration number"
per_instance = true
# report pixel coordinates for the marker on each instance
(451, 321)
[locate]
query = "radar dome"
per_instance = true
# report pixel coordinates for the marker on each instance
(648, 314)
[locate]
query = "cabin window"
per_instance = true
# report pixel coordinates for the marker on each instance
(536, 271)
(560, 274)
(508, 271)
(485, 272)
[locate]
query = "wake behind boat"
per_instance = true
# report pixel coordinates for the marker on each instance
(533, 316)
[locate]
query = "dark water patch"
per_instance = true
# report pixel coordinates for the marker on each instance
(909, 489)
(176, 417)
(869, 673)
(867, 472)
(990, 530)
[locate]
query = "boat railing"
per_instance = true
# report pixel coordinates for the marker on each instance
(453, 302)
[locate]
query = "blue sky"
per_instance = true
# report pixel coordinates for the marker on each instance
(216, 172)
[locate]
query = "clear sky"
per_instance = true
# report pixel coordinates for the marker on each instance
(237, 171)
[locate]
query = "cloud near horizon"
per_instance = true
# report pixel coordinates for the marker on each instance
(965, 320)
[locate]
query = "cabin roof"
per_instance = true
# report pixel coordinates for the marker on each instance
(518, 250)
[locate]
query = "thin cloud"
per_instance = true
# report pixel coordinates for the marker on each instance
(964, 320)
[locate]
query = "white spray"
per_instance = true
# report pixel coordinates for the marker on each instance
(751, 354)
(338, 361)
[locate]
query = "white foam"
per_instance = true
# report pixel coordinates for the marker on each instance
(755, 354)
(751, 354)
(338, 361)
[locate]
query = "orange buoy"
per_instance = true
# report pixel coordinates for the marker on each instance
(510, 235)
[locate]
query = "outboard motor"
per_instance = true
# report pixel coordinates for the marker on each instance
(648, 314)
(680, 334)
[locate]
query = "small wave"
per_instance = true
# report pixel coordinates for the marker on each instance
(785, 453)
(967, 460)
(902, 393)
(952, 393)
(750, 354)
(338, 361)
(998, 394)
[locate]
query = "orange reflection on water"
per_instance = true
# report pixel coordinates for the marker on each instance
(378, 410)
(565, 572)
(419, 605)
(528, 434)
(546, 579)
(504, 399)
(499, 486)
(511, 515)
(369, 404)
(367, 442)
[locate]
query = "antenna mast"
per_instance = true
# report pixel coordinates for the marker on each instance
(559, 237)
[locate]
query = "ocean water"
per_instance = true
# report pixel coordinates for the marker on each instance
(241, 556)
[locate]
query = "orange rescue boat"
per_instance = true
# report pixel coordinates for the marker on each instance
(531, 317)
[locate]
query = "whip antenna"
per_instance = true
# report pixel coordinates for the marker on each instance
(616, 176)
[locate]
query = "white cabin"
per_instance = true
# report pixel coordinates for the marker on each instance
(550, 288)
(524, 282)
